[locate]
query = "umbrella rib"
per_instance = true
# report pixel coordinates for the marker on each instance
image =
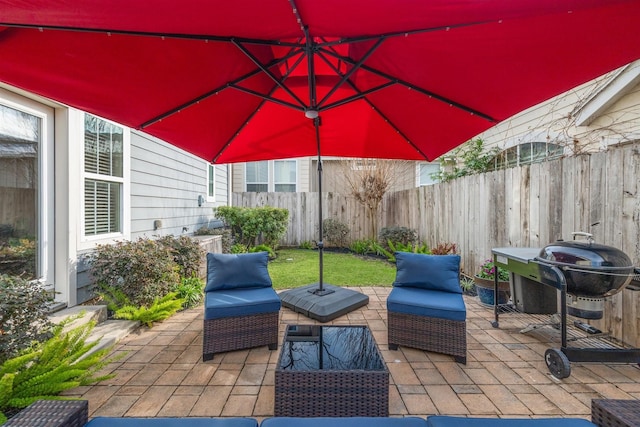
(204, 37)
(384, 117)
(224, 147)
(412, 86)
(264, 100)
(359, 95)
(268, 98)
(196, 100)
(267, 72)
(353, 69)
(348, 40)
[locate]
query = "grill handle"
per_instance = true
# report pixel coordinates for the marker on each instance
(589, 236)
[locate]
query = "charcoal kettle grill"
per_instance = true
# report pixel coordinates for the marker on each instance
(585, 273)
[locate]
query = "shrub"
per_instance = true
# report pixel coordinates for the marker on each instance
(370, 246)
(190, 291)
(264, 248)
(141, 270)
(403, 235)
(410, 247)
(238, 248)
(251, 226)
(361, 247)
(23, 315)
(232, 217)
(306, 245)
(186, 252)
(445, 249)
(335, 232)
(227, 239)
(273, 224)
(46, 369)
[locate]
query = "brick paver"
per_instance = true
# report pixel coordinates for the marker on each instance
(162, 373)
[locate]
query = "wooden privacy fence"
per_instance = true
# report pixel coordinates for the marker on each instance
(528, 206)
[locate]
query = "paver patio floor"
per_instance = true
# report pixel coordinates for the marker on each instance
(162, 373)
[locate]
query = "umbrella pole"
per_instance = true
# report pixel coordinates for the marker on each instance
(320, 290)
(310, 300)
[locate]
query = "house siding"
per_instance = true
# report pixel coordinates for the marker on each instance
(165, 185)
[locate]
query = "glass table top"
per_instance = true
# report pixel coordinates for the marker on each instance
(316, 347)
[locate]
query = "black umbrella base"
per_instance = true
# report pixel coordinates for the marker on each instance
(331, 302)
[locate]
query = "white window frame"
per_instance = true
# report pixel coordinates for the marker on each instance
(419, 166)
(247, 182)
(88, 241)
(295, 182)
(46, 181)
(211, 182)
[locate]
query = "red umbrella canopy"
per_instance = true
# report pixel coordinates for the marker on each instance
(237, 81)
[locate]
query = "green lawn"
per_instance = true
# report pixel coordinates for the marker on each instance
(300, 267)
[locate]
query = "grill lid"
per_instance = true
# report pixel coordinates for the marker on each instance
(590, 269)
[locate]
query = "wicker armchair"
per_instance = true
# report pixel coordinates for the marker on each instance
(425, 309)
(241, 308)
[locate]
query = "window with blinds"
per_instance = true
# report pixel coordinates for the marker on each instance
(211, 181)
(257, 176)
(284, 175)
(103, 176)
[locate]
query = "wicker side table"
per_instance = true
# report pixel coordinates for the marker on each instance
(52, 413)
(615, 412)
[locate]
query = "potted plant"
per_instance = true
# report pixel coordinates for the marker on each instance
(485, 286)
(468, 286)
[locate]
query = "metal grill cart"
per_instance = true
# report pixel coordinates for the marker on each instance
(539, 289)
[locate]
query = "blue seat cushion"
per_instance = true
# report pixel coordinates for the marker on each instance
(235, 271)
(449, 421)
(435, 272)
(171, 422)
(423, 302)
(344, 422)
(240, 302)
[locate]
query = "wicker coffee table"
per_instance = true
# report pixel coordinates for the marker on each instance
(615, 412)
(330, 371)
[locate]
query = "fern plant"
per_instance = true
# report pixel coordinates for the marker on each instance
(114, 297)
(48, 368)
(409, 247)
(161, 309)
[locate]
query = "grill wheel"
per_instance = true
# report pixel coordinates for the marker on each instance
(558, 363)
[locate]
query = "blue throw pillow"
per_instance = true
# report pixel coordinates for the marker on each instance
(434, 272)
(235, 271)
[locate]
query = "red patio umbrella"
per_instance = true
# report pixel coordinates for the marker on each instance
(237, 81)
